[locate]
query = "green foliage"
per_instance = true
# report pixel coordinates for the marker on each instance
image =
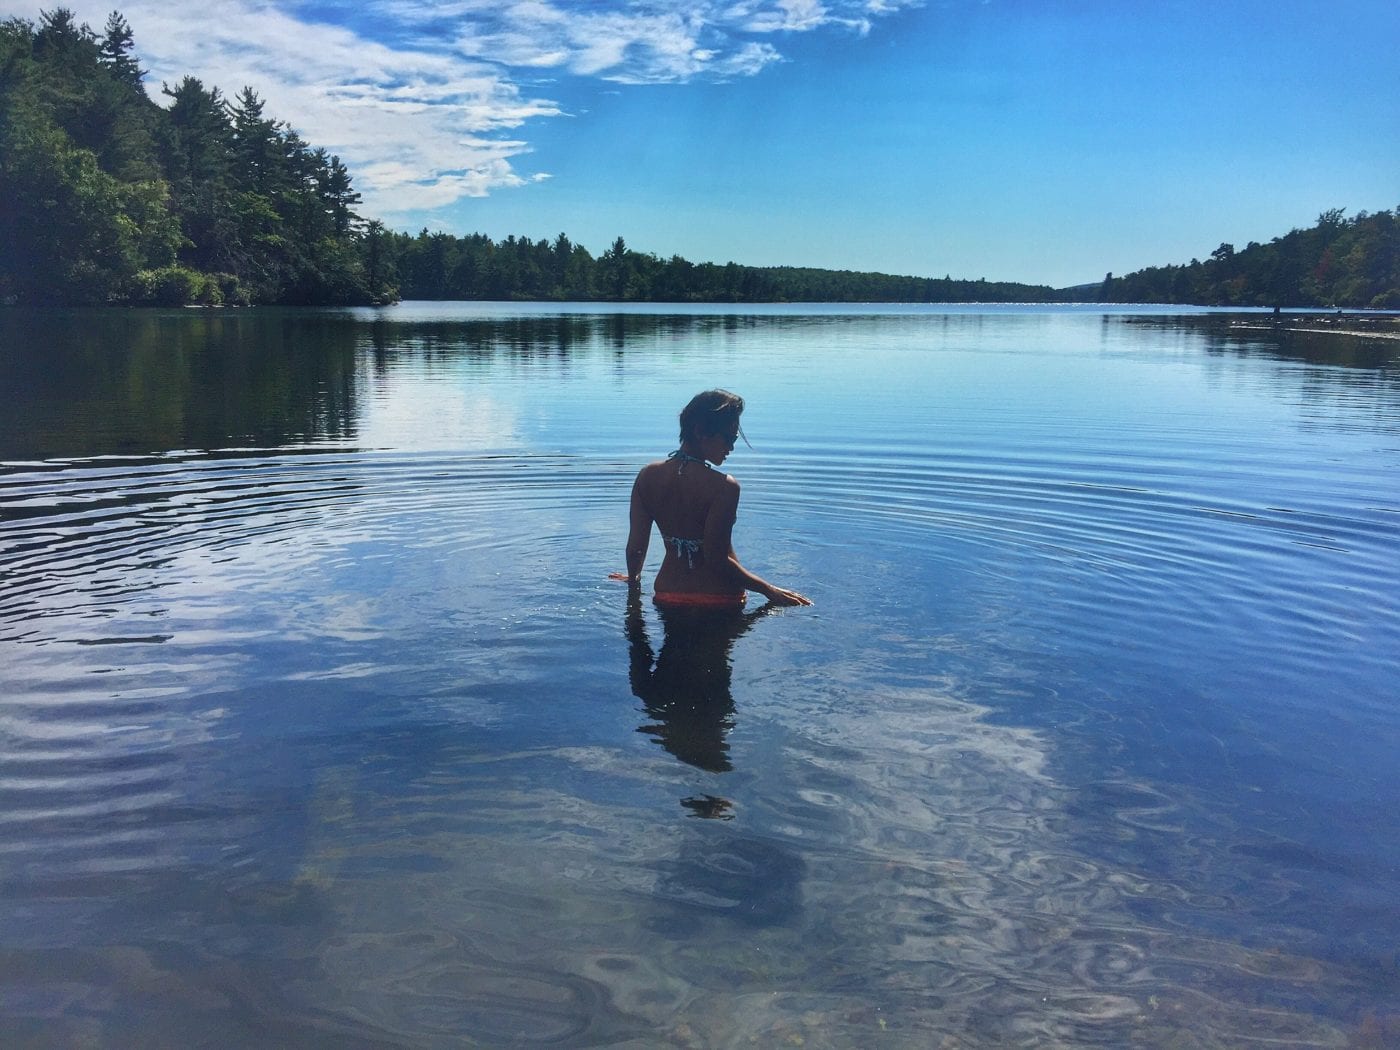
(104, 196)
(1352, 263)
(441, 266)
(181, 286)
(117, 52)
(231, 290)
(168, 286)
(70, 232)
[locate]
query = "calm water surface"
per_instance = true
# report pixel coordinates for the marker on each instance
(322, 725)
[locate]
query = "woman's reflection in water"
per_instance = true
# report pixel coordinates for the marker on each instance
(685, 689)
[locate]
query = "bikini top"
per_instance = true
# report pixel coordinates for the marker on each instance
(684, 548)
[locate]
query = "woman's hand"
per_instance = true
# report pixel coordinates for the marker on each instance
(781, 596)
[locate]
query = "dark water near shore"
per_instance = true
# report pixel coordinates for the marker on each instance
(321, 725)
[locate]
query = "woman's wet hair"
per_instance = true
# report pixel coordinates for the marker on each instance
(712, 412)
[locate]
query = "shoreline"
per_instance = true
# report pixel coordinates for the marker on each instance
(1357, 325)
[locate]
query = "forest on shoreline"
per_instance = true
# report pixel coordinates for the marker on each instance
(107, 197)
(1345, 262)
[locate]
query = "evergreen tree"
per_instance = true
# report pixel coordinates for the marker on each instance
(256, 159)
(334, 187)
(615, 270)
(118, 52)
(99, 187)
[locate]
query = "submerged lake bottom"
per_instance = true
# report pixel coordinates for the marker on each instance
(321, 723)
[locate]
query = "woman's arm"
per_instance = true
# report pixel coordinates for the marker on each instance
(719, 532)
(638, 534)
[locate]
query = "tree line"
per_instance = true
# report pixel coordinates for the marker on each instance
(443, 266)
(106, 197)
(1341, 262)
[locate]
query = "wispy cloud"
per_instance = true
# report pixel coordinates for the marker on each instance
(663, 41)
(426, 110)
(626, 46)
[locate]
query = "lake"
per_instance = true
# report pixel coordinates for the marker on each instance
(321, 724)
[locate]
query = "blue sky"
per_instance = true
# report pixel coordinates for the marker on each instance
(1045, 142)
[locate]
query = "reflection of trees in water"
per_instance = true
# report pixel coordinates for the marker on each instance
(99, 382)
(1282, 337)
(544, 336)
(1342, 381)
(1345, 381)
(685, 688)
(107, 382)
(1290, 338)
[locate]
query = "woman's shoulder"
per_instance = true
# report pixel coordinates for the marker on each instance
(651, 477)
(720, 480)
(653, 472)
(728, 481)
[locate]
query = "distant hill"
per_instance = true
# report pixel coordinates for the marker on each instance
(1081, 293)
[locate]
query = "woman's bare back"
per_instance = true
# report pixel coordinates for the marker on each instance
(686, 502)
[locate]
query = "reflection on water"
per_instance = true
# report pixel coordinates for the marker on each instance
(739, 878)
(317, 726)
(98, 382)
(109, 382)
(685, 689)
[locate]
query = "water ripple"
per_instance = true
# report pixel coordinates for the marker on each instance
(317, 695)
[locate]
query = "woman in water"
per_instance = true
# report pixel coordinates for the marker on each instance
(694, 505)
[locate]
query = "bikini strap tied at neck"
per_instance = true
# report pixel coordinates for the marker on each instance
(683, 458)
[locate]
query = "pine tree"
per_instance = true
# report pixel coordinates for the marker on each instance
(257, 147)
(118, 52)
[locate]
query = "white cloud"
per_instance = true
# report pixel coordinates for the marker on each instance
(662, 42)
(785, 16)
(416, 111)
(620, 45)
